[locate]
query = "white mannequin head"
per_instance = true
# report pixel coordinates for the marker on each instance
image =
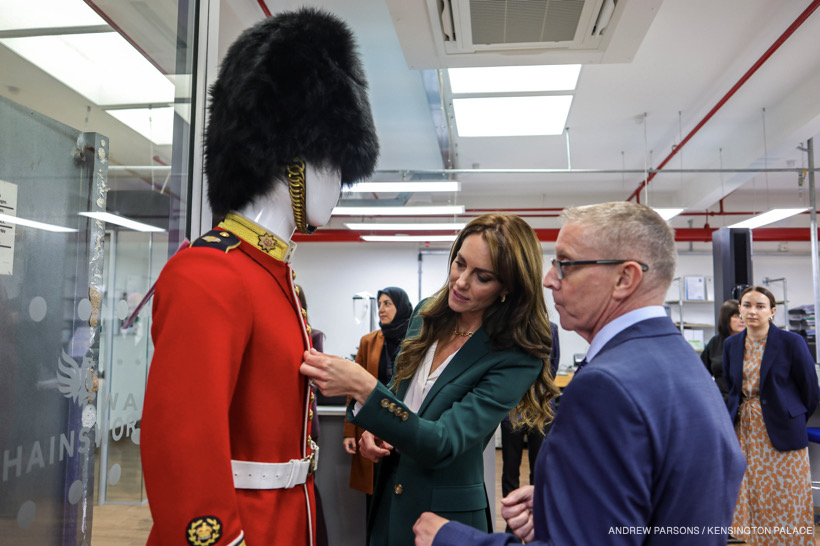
(323, 190)
(274, 212)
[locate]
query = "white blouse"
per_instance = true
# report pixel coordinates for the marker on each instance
(423, 380)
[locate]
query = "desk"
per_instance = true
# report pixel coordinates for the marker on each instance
(562, 380)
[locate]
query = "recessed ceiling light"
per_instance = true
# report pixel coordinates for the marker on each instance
(399, 187)
(372, 226)
(399, 211)
(18, 14)
(409, 238)
(512, 116)
(121, 221)
(8, 219)
(767, 218)
(667, 214)
(155, 124)
(505, 79)
(102, 67)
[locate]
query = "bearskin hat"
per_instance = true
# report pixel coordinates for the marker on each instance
(290, 86)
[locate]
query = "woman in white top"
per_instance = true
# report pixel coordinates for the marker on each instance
(475, 350)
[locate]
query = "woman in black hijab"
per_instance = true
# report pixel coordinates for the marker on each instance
(377, 353)
(394, 317)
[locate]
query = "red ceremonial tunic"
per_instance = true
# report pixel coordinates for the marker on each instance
(224, 384)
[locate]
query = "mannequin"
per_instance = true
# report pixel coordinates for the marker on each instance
(273, 210)
(226, 441)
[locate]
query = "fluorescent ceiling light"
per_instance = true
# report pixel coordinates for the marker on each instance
(371, 226)
(139, 168)
(409, 238)
(400, 187)
(512, 116)
(121, 221)
(507, 79)
(48, 14)
(102, 67)
(36, 225)
(668, 214)
(155, 124)
(398, 211)
(767, 218)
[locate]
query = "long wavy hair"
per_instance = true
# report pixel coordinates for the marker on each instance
(520, 321)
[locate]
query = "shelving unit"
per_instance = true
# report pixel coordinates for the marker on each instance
(682, 304)
(802, 322)
(782, 304)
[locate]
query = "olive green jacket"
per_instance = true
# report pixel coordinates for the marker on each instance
(438, 462)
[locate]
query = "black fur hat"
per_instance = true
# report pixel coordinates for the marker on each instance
(290, 86)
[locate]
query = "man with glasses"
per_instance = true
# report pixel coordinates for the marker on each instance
(642, 450)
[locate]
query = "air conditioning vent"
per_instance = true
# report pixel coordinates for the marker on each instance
(459, 33)
(524, 21)
(492, 25)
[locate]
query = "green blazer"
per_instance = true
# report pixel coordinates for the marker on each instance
(438, 463)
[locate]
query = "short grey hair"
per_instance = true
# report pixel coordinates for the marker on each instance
(625, 230)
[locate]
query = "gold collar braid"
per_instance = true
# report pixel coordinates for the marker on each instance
(298, 191)
(256, 236)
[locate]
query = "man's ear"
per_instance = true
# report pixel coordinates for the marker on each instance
(629, 278)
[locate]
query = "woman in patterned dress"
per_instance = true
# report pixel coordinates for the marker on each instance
(773, 390)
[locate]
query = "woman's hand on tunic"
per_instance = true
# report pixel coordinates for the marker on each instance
(337, 376)
(426, 528)
(372, 448)
(516, 509)
(350, 445)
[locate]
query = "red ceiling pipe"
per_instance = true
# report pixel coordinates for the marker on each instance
(694, 235)
(775, 235)
(329, 236)
(547, 235)
(264, 7)
(774, 47)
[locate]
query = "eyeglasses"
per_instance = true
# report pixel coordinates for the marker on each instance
(560, 265)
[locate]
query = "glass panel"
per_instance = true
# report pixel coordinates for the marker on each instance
(133, 261)
(49, 324)
(150, 184)
(125, 70)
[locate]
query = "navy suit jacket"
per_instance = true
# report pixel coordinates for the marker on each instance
(788, 385)
(641, 452)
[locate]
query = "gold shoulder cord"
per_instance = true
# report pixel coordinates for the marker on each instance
(298, 191)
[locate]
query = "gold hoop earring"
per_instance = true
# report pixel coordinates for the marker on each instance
(297, 188)
(503, 298)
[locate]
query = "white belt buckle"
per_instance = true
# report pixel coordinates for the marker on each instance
(298, 473)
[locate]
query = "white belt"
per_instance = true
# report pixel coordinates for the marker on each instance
(252, 475)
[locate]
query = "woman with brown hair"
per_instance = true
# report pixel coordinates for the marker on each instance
(475, 351)
(773, 391)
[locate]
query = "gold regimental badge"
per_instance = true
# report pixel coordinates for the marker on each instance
(267, 242)
(212, 239)
(204, 531)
